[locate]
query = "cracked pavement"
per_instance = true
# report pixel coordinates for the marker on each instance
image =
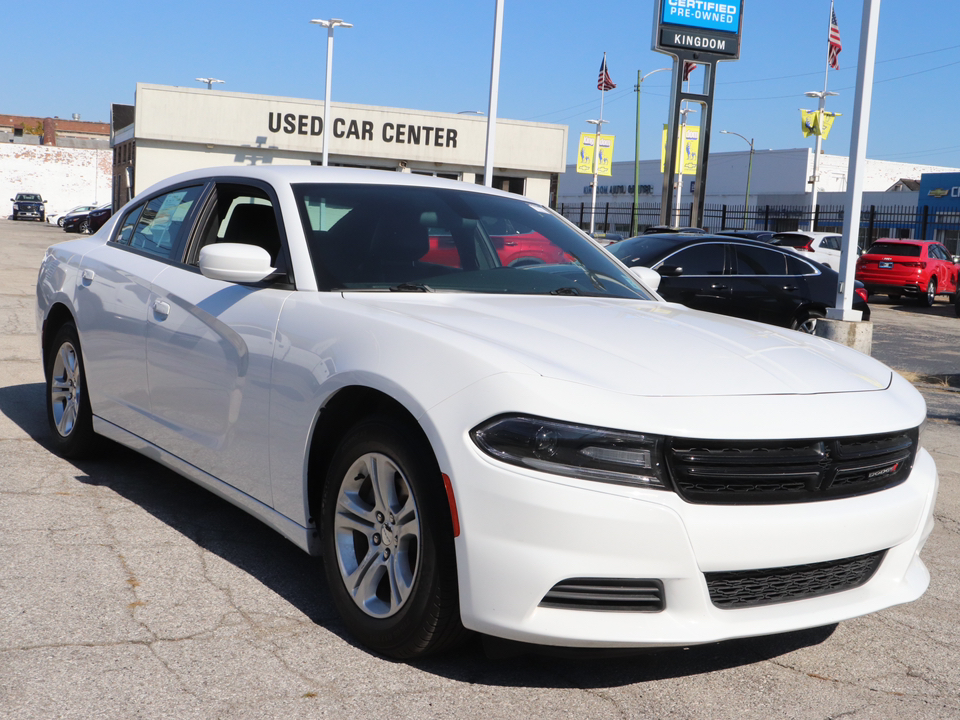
(128, 592)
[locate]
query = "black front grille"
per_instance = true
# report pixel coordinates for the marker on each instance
(606, 594)
(786, 471)
(750, 588)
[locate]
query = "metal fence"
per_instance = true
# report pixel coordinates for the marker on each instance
(875, 221)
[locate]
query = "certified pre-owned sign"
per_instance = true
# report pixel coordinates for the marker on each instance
(704, 15)
(699, 26)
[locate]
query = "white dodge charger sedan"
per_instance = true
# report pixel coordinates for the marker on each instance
(540, 450)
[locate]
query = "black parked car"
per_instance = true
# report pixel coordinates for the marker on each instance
(739, 277)
(28, 205)
(88, 222)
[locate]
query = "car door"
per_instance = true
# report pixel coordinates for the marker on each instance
(828, 250)
(210, 345)
(695, 276)
(112, 302)
(946, 270)
(761, 288)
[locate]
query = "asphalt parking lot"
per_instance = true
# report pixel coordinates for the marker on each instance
(128, 592)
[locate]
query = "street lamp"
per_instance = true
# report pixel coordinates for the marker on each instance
(209, 82)
(822, 95)
(596, 149)
(746, 203)
(329, 25)
(636, 150)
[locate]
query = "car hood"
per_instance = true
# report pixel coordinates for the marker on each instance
(636, 347)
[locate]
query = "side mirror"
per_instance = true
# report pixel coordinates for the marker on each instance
(649, 278)
(671, 270)
(235, 262)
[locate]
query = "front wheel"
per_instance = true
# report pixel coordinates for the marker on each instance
(928, 298)
(68, 404)
(388, 542)
(806, 321)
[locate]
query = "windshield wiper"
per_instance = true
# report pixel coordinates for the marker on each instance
(566, 291)
(411, 287)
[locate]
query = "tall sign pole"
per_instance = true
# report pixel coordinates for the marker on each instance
(704, 37)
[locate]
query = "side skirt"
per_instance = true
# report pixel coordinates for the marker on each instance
(305, 538)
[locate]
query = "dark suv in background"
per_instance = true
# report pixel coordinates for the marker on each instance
(28, 205)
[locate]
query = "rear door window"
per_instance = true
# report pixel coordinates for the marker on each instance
(759, 261)
(158, 230)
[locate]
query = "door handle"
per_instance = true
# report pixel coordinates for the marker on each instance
(791, 288)
(718, 287)
(161, 308)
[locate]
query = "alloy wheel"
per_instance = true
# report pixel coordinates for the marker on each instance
(377, 535)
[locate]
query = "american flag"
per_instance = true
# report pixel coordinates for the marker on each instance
(603, 81)
(688, 67)
(834, 46)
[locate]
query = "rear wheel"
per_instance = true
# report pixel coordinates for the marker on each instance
(928, 298)
(85, 226)
(60, 222)
(68, 404)
(806, 321)
(388, 548)
(894, 297)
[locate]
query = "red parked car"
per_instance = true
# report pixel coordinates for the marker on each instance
(529, 248)
(919, 269)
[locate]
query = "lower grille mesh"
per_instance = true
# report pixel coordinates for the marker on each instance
(749, 588)
(606, 594)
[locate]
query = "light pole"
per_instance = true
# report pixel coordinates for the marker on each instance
(822, 95)
(746, 203)
(329, 25)
(636, 150)
(683, 139)
(596, 151)
(494, 94)
(209, 82)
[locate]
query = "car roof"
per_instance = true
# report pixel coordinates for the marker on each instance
(297, 174)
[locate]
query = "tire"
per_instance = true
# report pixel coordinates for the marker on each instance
(930, 296)
(84, 226)
(60, 222)
(42, 218)
(68, 403)
(388, 549)
(894, 297)
(806, 321)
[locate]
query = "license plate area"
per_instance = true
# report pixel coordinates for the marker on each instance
(885, 265)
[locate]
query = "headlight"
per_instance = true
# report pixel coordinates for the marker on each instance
(579, 451)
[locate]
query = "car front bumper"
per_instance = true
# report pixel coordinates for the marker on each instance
(523, 532)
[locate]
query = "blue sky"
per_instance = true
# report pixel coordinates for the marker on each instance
(70, 57)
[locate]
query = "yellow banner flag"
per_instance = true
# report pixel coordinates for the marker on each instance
(688, 150)
(826, 122)
(604, 154)
(809, 120)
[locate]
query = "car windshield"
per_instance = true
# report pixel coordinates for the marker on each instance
(424, 239)
(28, 197)
(898, 249)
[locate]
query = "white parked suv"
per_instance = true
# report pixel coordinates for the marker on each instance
(824, 247)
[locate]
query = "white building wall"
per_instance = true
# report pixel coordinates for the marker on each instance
(65, 177)
(780, 173)
(178, 129)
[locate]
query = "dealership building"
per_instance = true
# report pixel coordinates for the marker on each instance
(173, 129)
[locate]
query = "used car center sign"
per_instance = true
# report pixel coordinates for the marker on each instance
(712, 27)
